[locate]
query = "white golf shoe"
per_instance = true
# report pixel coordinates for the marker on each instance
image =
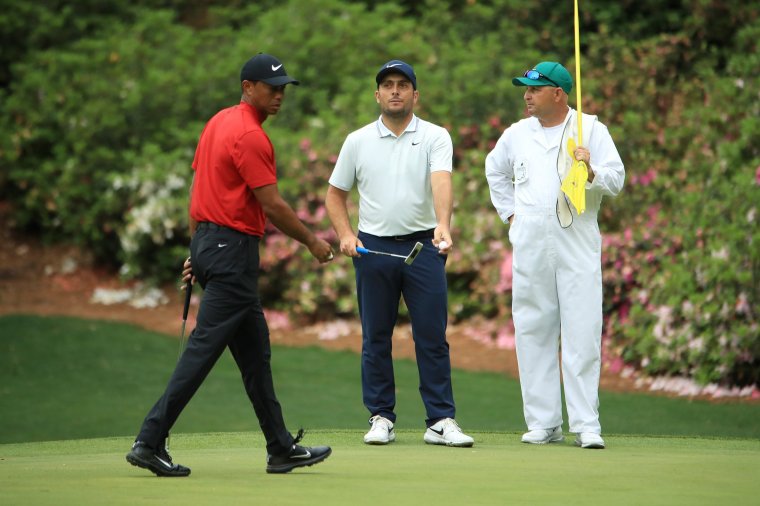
(589, 440)
(381, 432)
(447, 432)
(543, 436)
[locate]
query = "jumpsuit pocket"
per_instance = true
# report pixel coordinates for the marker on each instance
(513, 230)
(520, 171)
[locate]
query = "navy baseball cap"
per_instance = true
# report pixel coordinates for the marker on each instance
(267, 68)
(398, 67)
(546, 73)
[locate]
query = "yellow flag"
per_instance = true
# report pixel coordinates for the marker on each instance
(574, 185)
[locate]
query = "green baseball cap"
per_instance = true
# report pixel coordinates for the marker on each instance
(546, 73)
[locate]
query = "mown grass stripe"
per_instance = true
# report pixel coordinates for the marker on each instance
(228, 468)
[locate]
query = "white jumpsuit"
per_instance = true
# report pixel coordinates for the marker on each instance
(557, 278)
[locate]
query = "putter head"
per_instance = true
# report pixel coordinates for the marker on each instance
(411, 256)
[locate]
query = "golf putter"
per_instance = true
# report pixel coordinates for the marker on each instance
(185, 310)
(408, 259)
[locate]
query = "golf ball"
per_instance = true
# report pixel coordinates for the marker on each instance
(443, 245)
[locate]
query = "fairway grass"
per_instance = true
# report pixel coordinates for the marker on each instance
(68, 378)
(228, 468)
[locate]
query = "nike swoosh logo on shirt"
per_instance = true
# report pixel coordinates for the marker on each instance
(221, 245)
(277, 67)
(415, 143)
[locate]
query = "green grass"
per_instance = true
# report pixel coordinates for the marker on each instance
(229, 469)
(66, 378)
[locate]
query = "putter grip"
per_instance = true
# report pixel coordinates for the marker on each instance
(188, 292)
(359, 249)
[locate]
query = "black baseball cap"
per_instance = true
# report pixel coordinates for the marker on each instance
(398, 67)
(267, 68)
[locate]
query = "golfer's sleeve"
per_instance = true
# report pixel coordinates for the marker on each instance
(499, 175)
(254, 158)
(441, 152)
(344, 174)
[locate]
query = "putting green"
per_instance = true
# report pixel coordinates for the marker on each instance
(228, 468)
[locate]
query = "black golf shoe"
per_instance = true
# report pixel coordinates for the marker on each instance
(299, 456)
(158, 462)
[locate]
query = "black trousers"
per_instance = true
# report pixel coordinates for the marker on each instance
(226, 263)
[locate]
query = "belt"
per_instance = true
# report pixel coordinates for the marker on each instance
(207, 225)
(414, 236)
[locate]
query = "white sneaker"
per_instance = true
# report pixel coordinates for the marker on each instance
(543, 436)
(447, 432)
(381, 432)
(590, 440)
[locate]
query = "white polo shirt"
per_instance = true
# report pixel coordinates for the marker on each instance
(393, 175)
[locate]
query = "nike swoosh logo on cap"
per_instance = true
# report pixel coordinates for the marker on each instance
(277, 67)
(394, 65)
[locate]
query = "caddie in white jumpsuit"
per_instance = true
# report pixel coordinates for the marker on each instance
(557, 278)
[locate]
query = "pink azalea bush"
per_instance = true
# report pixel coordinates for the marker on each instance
(103, 160)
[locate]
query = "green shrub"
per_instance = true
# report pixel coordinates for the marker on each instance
(99, 122)
(684, 277)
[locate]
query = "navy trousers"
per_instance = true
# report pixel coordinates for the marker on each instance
(226, 263)
(380, 283)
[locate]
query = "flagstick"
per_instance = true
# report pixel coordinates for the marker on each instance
(578, 74)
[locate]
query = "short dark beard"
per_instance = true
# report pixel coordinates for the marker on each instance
(400, 114)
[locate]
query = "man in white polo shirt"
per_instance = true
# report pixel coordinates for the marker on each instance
(401, 165)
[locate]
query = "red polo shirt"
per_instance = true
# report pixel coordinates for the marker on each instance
(234, 155)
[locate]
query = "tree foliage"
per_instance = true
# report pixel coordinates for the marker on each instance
(102, 104)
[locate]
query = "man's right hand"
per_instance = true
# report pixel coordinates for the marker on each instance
(348, 245)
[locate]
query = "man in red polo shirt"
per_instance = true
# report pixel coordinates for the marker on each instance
(234, 191)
